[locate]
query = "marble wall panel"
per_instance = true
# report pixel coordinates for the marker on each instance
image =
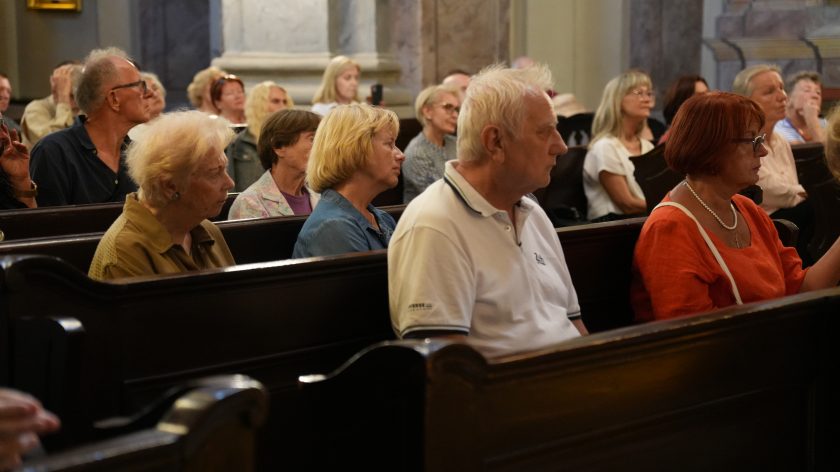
(470, 34)
(405, 34)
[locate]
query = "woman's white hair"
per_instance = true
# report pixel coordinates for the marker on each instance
(494, 97)
(742, 85)
(171, 149)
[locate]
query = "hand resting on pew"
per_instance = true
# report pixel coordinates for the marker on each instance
(22, 419)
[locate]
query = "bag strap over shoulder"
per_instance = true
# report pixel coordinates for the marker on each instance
(711, 245)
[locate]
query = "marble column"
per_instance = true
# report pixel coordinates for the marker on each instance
(292, 41)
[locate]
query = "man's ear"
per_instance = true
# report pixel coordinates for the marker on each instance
(112, 101)
(491, 140)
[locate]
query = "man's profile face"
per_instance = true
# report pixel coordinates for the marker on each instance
(531, 154)
(133, 104)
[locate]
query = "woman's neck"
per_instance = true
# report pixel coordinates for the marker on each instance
(434, 135)
(287, 180)
(235, 117)
(176, 222)
(359, 192)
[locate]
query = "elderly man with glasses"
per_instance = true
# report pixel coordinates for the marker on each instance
(86, 162)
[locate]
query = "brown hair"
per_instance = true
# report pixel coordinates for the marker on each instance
(281, 129)
(219, 84)
(703, 130)
(680, 91)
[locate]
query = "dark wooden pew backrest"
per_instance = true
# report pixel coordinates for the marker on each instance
(253, 240)
(654, 176)
(823, 193)
(210, 426)
(69, 220)
(564, 199)
(744, 388)
(91, 350)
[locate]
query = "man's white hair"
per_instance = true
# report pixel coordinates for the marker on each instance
(495, 97)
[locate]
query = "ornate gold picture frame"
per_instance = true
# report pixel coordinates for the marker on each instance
(65, 5)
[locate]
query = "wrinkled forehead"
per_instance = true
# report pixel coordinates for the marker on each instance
(126, 70)
(806, 85)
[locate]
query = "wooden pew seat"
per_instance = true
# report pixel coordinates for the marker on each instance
(210, 426)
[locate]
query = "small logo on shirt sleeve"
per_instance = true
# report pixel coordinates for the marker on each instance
(539, 259)
(419, 306)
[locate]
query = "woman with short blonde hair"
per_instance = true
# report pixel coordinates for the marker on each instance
(180, 169)
(199, 89)
(339, 85)
(354, 158)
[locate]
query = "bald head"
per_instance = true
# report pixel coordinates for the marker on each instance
(458, 80)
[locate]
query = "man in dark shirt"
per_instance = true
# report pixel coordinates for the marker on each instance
(86, 162)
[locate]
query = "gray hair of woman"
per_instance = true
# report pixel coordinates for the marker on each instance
(174, 145)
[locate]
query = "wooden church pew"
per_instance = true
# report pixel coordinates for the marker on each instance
(210, 425)
(70, 219)
(252, 240)
(744, 388)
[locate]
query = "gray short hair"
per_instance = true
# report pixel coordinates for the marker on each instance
(742, 85)
(98, 72)
(495, 97)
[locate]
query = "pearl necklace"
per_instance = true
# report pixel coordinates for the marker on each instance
(732, 207)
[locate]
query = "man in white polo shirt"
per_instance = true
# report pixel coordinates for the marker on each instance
(471, 256)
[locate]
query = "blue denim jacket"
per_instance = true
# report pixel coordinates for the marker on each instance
(336, 227)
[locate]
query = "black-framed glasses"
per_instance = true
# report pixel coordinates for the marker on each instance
(142, 83)
(756, 141)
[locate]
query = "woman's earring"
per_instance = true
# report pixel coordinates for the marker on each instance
(176, 196)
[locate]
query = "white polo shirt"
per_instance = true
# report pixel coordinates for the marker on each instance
(455, 264)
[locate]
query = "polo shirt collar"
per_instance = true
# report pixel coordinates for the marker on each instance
(473, 199)
(79, 130)
(160, 240)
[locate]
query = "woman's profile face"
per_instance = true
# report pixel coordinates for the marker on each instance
(347, 84)
(277, 99)
(442, 114)
(769, 92)
(638, 102)
(296, 156)
(385, 161)
(207, 186)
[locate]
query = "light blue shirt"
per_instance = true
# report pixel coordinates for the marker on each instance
(336, 227)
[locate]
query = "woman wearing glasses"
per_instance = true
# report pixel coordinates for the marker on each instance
(437, 110)
(705, 246)
(783, 196)
(611, 189)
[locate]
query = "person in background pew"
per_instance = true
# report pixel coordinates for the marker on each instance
(17, 189)
(473, 256)
(155, 102)
(436, 108)
(22, 419)
(181, 170)
(85, 163)
(5, 101)
(832, 142)
(228, 96)
(611, 189)
(782, 195)
(339, 85)
(285, 142)
(354, 158)
(802, 122)
(705, 246)
(459, 79)
(681, 90)
(56, 111)
(199, 89)
(244, 163)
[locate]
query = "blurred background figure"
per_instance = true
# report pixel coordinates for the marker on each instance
(611, 188)
(199, 89)
(681, 90)
(228, 97)
(22, 419)
(155, 101)
(57, 111)
(5, 99)
(459, 79)
(437, 109)
(283, 151)
(339, 85)
(802, 122)
(244, 164)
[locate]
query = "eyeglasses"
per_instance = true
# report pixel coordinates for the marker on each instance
(642, 94)
(449, 108)
(756, 142)
(141, 83)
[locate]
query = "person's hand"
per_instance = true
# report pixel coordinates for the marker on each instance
(22, 419)
(810, 107)
(61, 84)
(14, 158)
